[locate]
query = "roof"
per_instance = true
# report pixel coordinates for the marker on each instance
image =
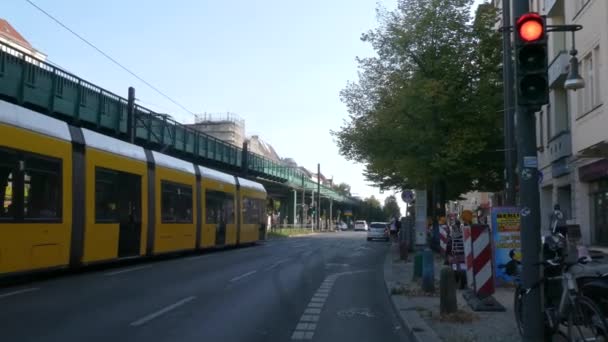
(247, 184)
(172, 162)
(8, 31)
(11, 114)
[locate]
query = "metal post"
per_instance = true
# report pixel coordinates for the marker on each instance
(303, 216)
(529, 211)
(319, 196)
(509, 101)
(295, 207)
(131, 115)
(331, 219)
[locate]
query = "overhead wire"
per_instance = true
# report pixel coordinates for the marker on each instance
(109, 57)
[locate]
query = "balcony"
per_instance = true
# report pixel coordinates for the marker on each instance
(560, 146)
(553, 8)
(558, 70)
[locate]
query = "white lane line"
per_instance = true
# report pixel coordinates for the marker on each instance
(300, 245)
(242, 276)
(127, 270)
(305, 329)
(162, 311)
(18, 292)
(282, 261)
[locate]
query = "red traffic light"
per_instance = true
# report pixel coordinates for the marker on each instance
(530, 27)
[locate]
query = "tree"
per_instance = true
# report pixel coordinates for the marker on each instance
(370, 210)
(391, 207)
(424, 110)
(343, 189)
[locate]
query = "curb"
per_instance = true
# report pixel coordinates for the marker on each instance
(417, 329)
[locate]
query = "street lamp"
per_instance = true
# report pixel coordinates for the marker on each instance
(574, 80)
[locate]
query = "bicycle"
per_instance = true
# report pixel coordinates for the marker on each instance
(576, 312)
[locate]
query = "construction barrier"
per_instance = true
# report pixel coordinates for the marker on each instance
(468, 254)
(478, 252)
(443, 238)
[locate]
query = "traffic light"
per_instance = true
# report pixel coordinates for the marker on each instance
(531, 60)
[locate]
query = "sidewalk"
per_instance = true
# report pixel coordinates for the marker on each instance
(419, 312)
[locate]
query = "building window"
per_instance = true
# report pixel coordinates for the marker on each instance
(253, 210)
(219, 207)
(176, 202)
(590, 96)
(30, 186)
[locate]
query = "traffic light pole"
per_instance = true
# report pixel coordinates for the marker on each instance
(529, 210)
(509, 104)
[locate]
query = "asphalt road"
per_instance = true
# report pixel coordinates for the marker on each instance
(325, 287)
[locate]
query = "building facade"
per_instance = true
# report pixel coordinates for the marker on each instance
(11, 37)
(227, 127)
(572, 130)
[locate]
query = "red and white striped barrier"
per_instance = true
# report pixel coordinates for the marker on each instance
(468, 255)
(479, 260)
(482, 260)
(443, 238)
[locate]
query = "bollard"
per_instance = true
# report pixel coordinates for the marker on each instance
(417, 266)
(447, 291)
(428, 271)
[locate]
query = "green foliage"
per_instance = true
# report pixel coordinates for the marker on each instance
(370, 210)
(343, 189)
(391, 207)
(426, 108)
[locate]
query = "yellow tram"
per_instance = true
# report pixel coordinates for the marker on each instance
(73, 197)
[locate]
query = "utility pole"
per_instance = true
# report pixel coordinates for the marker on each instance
(509, 104)
(331, 220)
(319, 196)
(529, 206)
(303, 216)
(131, 115)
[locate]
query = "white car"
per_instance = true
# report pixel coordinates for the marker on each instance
(378, 230)
(361, 225)
(342, 225)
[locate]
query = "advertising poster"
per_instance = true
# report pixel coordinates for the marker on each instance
(507, 244)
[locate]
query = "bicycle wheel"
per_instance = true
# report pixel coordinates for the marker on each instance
(586, 321)
(518, 299)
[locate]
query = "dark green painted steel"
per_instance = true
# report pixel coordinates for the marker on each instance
(35, 84)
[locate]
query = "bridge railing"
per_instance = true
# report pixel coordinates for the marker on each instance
(41, 86)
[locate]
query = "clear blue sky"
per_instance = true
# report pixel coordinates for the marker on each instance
(279, 64)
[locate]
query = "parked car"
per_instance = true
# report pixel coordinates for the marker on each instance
(378, 230)
(361, 225)
(342, 225)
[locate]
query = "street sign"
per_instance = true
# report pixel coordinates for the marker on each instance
(348, 213)
(407, 196)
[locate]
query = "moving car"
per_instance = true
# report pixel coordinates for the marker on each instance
(378, 230)
(361, 225)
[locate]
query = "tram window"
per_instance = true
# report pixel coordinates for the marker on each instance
(253, 210)
(41, 188)
(106, 193)
(176, 202)
(219, 207)
(7, 169)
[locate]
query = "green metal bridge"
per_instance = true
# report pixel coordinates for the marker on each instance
(32, 83)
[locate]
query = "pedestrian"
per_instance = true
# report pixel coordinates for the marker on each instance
(394, 229)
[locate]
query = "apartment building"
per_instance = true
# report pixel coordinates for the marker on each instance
(572, 130)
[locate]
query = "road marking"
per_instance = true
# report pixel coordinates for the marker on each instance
(305, 330)
(282, 261)
(18, 292)
(127, 270)
(300, 245)
(242, 276)
(162, 311)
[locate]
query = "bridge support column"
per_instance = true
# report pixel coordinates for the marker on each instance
(292, 207)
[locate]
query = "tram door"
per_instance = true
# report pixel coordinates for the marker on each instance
(129, 214)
